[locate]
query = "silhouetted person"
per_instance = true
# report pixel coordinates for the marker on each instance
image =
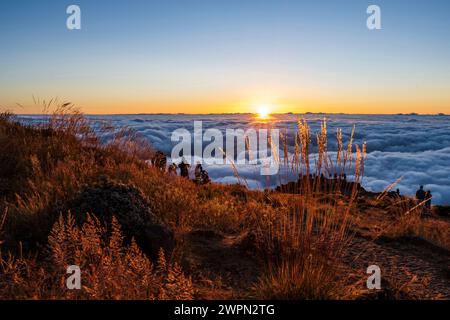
(173, 169)
(420, 194)
(184, 169)
(198, 173)
(398, 192)
(205, 177)
(428, 197)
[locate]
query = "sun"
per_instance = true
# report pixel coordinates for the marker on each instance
(263, 111)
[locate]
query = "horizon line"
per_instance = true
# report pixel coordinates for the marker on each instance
(246, 113)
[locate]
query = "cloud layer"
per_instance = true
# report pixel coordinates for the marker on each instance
(414, 147)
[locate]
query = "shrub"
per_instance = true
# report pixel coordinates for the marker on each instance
(109, 269)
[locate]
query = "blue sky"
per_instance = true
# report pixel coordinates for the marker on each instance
(216, 55)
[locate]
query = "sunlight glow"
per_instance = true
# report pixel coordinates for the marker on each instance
(263, 111)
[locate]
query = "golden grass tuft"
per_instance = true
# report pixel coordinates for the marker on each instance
(110, 269)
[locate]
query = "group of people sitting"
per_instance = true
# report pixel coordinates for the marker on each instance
(201, 175)
(159, 160)
(424, 197)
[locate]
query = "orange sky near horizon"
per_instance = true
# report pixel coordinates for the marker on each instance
(381, 105)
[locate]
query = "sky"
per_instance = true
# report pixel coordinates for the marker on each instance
(217, 56)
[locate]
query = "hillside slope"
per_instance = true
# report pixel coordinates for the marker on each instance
(141, 233)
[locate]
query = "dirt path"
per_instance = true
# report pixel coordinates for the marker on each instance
(411, 265)
(223, 259)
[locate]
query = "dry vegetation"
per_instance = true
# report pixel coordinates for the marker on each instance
(230, 242)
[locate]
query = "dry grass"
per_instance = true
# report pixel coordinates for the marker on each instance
(45, 165)
(300, 237)
(304, 242)
(406, 217)
(411, 223)
(299, 278)
(110, 269)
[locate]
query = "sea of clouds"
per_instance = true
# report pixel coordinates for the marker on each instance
(415, 148)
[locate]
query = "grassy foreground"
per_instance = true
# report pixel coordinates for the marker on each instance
(139, 233)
